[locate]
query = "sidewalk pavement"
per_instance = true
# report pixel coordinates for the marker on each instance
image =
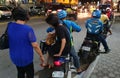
(108, 65)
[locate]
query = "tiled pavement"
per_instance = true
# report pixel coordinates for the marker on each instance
(108, 65)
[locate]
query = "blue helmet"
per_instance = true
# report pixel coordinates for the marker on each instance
(96, 13)
(62, 14)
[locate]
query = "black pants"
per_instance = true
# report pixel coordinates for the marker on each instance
(28, 70)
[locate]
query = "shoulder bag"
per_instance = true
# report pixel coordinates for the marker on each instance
(4, 44)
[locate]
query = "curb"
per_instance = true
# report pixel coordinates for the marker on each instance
(88, 72)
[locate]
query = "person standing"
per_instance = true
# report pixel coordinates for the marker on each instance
(22, 42)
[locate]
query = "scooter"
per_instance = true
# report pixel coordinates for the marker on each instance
(61, 67)
(61, 64)
(88, 52)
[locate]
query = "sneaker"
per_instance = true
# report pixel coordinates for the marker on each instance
(107, 51)
(72, 67)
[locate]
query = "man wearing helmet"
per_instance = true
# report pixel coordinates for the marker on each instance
(95, 27)
(71, 26)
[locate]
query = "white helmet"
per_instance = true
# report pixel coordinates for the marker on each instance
(108, 8)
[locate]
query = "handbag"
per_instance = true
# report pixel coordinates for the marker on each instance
(4, 44)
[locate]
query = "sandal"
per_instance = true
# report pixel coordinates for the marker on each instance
(79, 71)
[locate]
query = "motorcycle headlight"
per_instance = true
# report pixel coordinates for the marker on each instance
(54, 12)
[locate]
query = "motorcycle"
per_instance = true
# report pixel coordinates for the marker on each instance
(61, 67)
(61, 63)
(88, 52)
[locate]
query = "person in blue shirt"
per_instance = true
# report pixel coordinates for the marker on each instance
(22, 41)
(94, 28)
(71, 26)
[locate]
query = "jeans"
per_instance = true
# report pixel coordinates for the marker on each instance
(100, 38)
(75, 57)
(28, 70)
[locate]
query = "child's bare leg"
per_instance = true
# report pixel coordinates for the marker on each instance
(47, 61)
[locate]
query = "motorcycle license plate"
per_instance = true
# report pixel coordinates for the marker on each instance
(86, 48)
(58, 74)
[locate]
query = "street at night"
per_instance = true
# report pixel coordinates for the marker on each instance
(107, 65)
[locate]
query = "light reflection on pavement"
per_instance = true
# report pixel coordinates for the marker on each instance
(84, 15)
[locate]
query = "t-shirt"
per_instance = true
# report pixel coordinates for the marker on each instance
(104, 18)
(61, 32)
(20, 38)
